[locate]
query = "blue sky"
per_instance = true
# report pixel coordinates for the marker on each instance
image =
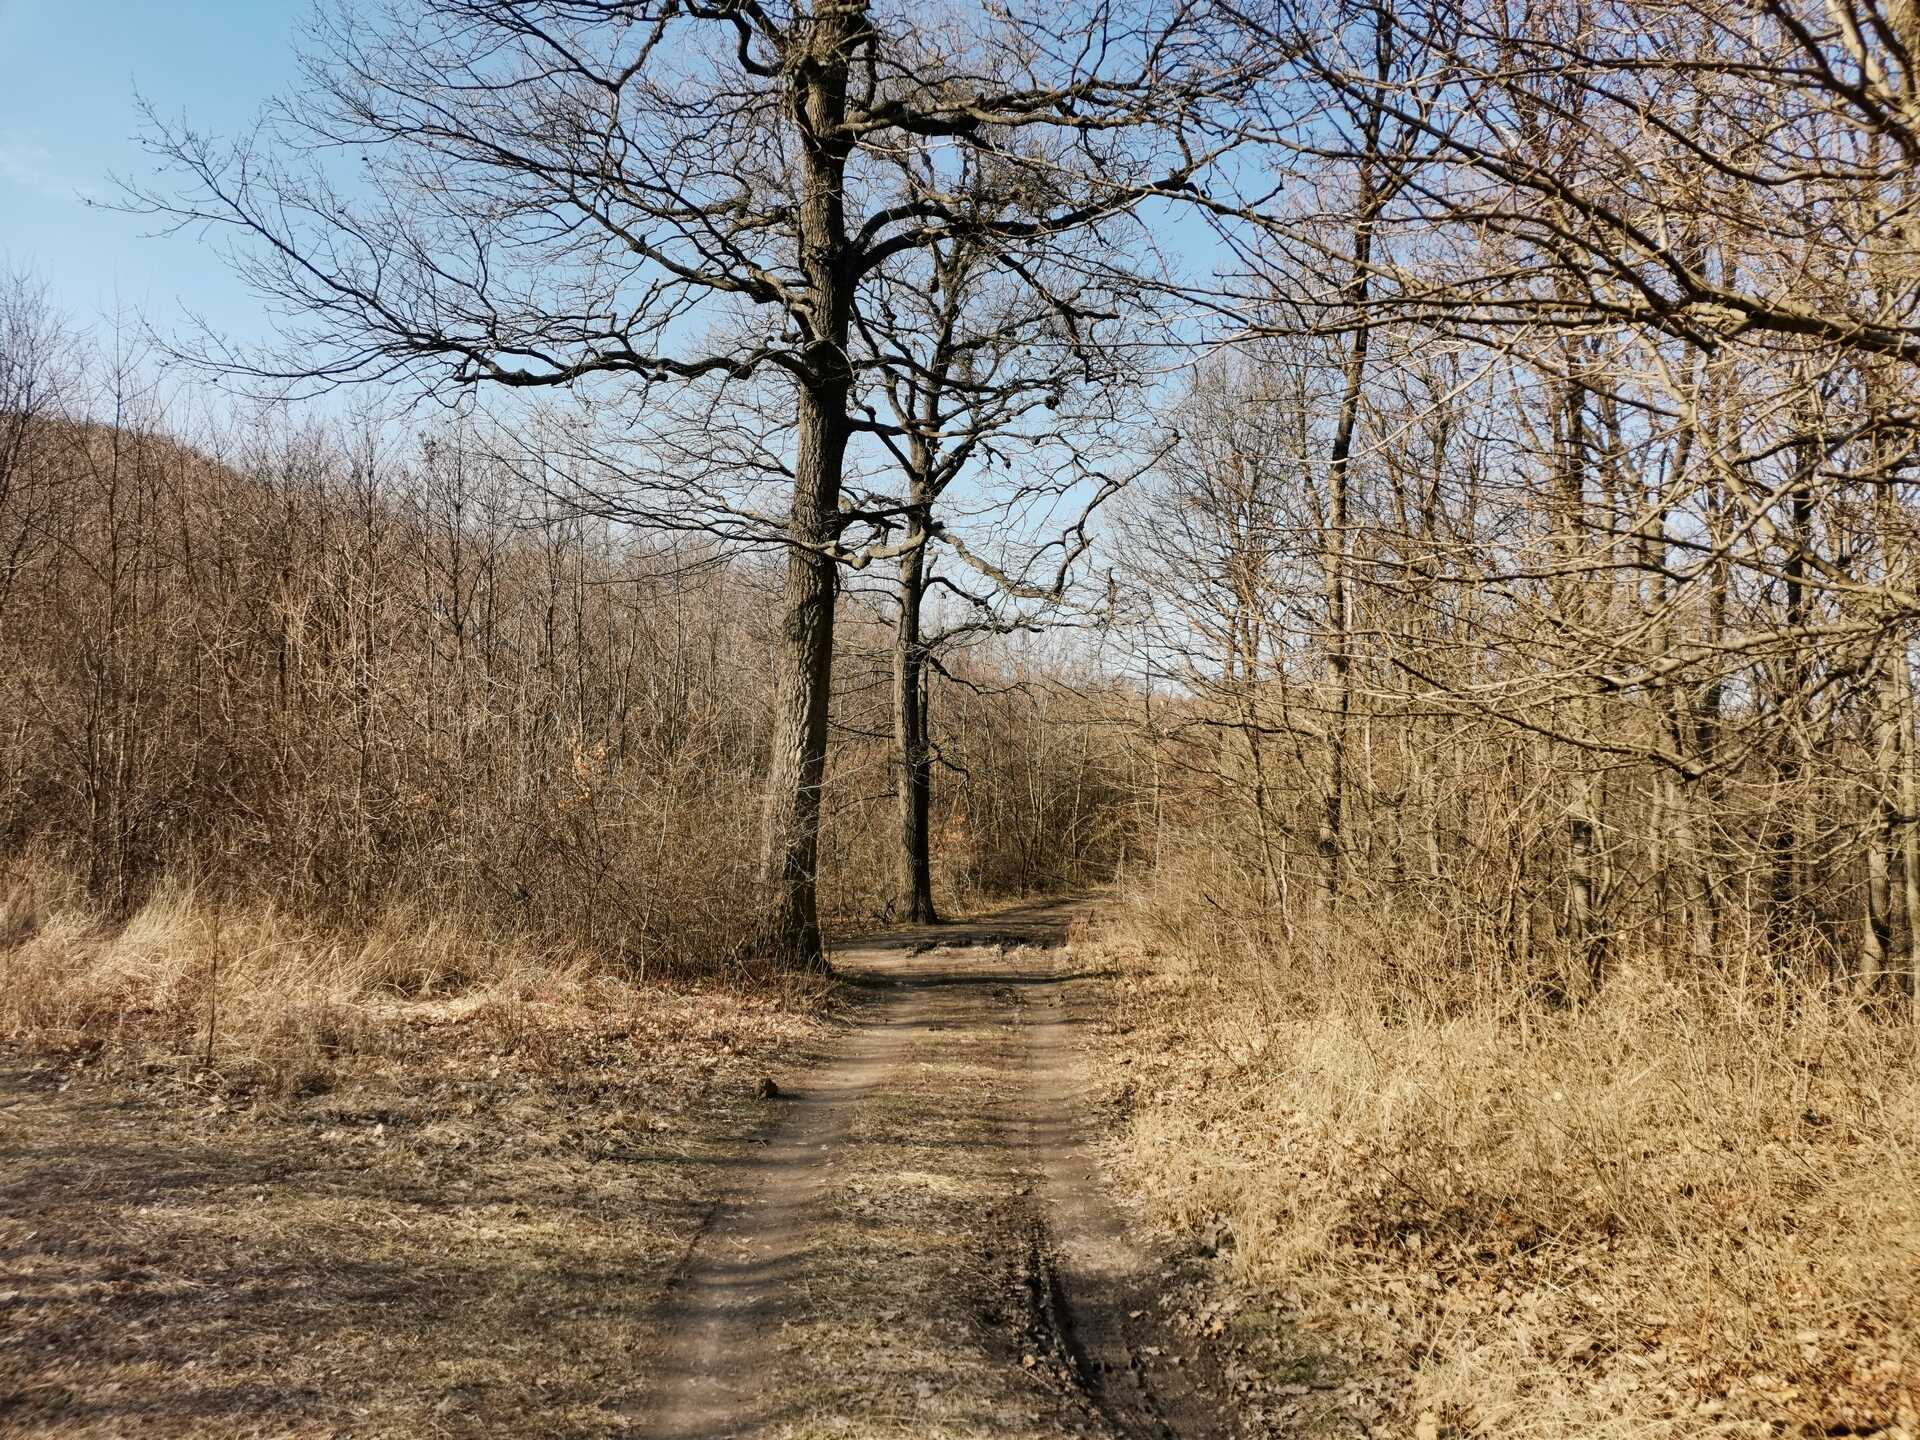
(67, 122)
(70, 71)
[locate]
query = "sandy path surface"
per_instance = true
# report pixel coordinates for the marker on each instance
(920, 1244)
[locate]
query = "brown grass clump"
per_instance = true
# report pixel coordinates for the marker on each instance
(1679, 1210)
(433, 1183)
(259, 996)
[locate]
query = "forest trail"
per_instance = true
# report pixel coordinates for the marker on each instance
(919, 1243)
(573, 1217)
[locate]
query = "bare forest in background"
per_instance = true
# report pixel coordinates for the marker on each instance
(338, 673)
(1533, 555)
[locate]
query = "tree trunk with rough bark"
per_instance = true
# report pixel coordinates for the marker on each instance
(1909, 829)
(804, 668)
(913, 754)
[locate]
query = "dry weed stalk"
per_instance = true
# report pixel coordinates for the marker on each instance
(1682, 1205)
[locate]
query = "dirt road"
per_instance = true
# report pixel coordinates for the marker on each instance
(574, 1217)
(919, 1243)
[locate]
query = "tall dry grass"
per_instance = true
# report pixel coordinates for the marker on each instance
(1687, 1207)
(258, 995)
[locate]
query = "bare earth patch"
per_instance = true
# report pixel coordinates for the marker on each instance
(465, 1235)
(574, 1211)
(917, 1253)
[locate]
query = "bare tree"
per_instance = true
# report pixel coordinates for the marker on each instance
(564, 193)
(1006, 385)
(34, 387)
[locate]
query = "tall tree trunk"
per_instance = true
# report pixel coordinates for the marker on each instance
(790, 849)
(1792, 837)
(1876, 930)
(1586, 932)
(1335, 543)
(1704, 717)
(1909, 827)
(803, 680)
(1334, 567)
(913, 754)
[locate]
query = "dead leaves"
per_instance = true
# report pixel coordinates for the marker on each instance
(1608, 1225)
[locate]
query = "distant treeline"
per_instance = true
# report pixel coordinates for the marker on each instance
(301, 666)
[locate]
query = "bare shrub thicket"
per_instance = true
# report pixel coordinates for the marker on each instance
(1681, 1208)
(1530, 783)
(363, 680)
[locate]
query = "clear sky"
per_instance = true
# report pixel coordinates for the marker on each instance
(69, 71)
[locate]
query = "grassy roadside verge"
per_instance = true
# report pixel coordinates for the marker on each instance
(1422, 1211)
(430, 1183)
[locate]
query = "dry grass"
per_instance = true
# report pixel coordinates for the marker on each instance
(430, 1185)
(261, 998)
(1681, 1210)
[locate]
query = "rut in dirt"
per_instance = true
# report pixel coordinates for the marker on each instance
(920, 1244)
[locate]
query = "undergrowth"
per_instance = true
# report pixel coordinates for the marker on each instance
(1681, 1209)
(264, 999)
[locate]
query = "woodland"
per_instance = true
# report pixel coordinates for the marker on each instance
(1411, 505)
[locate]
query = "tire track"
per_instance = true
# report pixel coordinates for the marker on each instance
(817, 1300)
(1144, 1381)
(744, 1277)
